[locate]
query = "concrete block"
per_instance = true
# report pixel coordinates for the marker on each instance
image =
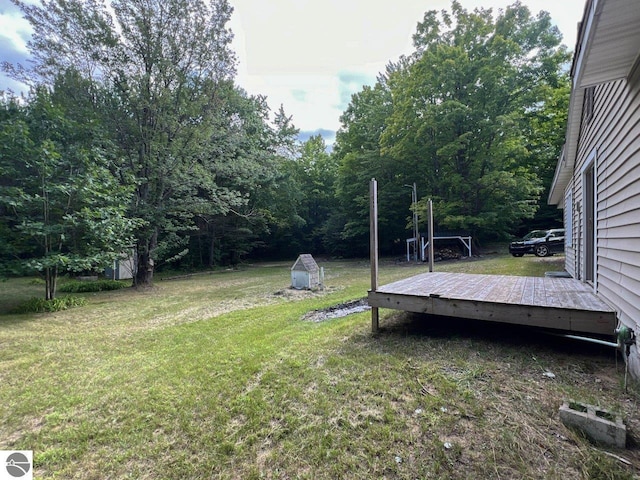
(600, 426)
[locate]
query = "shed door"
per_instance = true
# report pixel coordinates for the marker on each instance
(299, 279)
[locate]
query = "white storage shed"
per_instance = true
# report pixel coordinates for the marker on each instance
(123, 268)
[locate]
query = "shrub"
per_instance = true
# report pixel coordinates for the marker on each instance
(40, 305)
(97, 286)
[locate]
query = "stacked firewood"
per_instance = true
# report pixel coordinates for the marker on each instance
(446, 254)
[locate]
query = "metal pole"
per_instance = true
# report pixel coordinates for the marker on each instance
(415, 222)
(373, 247)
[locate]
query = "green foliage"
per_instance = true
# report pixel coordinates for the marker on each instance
(193, 146)
(546, 126)
(307, 199)
(199, 154)
(41, 305)
(96, 286)
(460, 108)
(255, 183)
(63, 208)
(474, 117)
(140, 138)
(360, 158)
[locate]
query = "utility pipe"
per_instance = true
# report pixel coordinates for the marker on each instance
(625, 336)
(588, 339)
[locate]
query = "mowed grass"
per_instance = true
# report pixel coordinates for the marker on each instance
(216, 376)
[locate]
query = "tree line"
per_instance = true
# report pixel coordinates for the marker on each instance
(135, 136)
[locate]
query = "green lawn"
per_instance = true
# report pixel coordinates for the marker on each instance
(216, 376)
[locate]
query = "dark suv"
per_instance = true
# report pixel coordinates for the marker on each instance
(539, 242)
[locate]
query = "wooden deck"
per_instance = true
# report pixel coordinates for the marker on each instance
(557, 303)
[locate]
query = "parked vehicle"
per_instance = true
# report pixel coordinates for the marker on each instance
(541, 243)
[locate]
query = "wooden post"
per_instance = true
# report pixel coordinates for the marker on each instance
(373, 247)
(416, 233)
(430, 213)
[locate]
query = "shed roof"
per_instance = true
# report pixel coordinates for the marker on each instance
(305, 263)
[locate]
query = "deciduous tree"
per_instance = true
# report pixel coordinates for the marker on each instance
(462, 111)
(464, 118)
(61, 207)
(169, 68)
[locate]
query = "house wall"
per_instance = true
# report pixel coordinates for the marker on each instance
(611, 140)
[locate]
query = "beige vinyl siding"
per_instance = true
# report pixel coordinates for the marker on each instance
(625, 274)
(614, 133)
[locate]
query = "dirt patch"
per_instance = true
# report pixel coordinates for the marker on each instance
(337, 311)
(295, 294)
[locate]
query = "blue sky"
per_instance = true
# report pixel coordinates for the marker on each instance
(312, 55)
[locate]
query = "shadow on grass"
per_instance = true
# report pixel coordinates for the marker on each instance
(517, 337)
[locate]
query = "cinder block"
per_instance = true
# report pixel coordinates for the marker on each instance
(600, 426)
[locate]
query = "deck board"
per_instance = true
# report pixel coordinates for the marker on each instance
(550, 302)
(517, 288)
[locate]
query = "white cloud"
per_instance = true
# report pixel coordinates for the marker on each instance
(294, 51)
(15, 30)
(311, 55)
(290, 49)
(298, 92)
(294, 36)
(14, 34)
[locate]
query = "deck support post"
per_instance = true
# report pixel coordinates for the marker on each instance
(373, 247)
(430, 234)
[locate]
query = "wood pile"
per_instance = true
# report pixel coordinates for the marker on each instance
(446, 254)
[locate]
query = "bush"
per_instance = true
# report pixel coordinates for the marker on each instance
(97, 286)
(40, 305)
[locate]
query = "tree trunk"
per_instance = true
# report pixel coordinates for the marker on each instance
(48, 285)
(51, 282)
(212, 248)
(144, 273)
(145, 266)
